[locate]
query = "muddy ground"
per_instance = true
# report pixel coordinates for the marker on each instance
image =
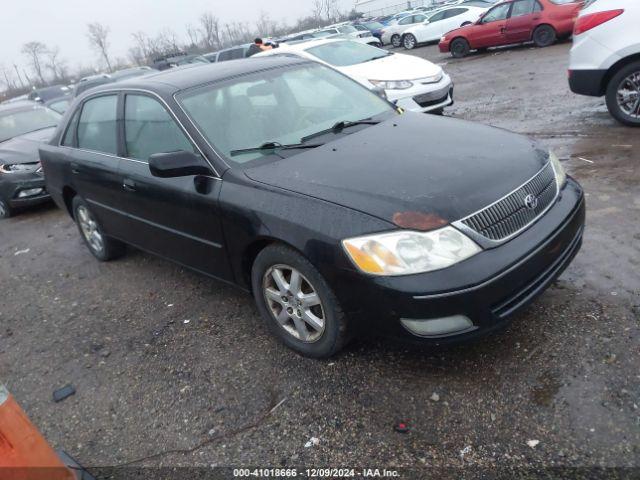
(164, 359)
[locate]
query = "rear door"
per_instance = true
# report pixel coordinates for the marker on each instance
(523, 18)
(93, 155)
(492, 29)
(177, 218)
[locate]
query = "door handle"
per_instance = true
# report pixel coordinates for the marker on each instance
(129, 185)
(74, 168)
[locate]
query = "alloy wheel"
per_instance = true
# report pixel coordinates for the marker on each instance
(90, 229)
(3, 210)
(409, 42)
(395, 41)
(628, 95)
(294, 303)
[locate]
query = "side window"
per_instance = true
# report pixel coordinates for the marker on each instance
(97, 125)
(454, 12)
(437, 17)
(537, 7)
(149, 129)
(522, 7)
(224, 56)
(406, 20)
(419, 18)
(497, 13)
(69, 139)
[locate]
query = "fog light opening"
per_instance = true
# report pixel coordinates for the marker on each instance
(439, 327)
(30, 192)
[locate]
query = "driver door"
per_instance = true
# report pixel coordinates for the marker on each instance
(177, 218)
(493, 27)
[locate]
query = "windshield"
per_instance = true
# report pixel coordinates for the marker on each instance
(16, 123)
(280, 106)
(346, 53)
(347, 29)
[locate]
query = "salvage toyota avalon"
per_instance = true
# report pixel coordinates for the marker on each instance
(341, 214)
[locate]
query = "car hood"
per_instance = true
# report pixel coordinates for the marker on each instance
(411, 163)
(393, 67)
(24, 149)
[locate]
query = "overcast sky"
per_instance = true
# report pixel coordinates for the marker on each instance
(64, 22)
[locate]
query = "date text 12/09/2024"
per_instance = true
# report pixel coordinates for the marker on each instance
(316, 473)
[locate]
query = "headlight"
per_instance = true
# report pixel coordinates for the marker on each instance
(407, 252)
(392, 84)
(433, 78)
(19, 167)
(558, 169)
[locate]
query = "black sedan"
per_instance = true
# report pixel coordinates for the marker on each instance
(24, 126)
(341, 214)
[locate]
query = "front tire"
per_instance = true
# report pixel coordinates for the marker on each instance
(409, 41)
(297, 304)
(100, 246)
(623, 95)
(544, 36)
(459, 48)
(396, 41)
(5, 210)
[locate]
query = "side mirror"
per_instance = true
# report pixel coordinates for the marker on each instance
(177, 164)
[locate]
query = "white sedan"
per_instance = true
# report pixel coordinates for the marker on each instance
(393, 33)
(439, 23)
(410, 82)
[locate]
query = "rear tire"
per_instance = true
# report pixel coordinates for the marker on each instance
(544, 36)
(396, 41)
(317, 330)
(5, 210)
(409, 41)
(100, 246)
(459, 48)
(623, 101)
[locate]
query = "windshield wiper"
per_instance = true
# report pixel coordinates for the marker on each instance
(339, 126)
(274, 146)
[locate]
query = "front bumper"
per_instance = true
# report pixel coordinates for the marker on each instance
(487, 288)
(424, 97)
(11, 185)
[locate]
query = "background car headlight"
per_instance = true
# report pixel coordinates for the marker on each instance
(392, 84)
(558, 169)
(407, 252)
(19, 167)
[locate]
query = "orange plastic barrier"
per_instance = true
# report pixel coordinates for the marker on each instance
(24, 453)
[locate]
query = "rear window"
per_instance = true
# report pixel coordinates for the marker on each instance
(343, 54)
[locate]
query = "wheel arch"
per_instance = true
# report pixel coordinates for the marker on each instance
(251, 252)
(615, 68)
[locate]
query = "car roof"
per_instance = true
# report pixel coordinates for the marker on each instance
(182, 78)
(301, 45)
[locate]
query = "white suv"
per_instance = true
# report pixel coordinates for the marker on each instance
(605, 57)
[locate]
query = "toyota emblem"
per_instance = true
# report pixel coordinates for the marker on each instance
(531, 202)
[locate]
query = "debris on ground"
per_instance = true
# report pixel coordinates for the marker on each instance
(533, 443)
(313, 441)
(20, 252)
(401, 427)
(465, 451)
(63, 393)
(435, 397)
(186, 321)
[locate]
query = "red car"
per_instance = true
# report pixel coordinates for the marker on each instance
(515, 21)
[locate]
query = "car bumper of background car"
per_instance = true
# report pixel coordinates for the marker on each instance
(444, 46)
(479, 295)
(424, 97)
(23, 190)
(587, 82)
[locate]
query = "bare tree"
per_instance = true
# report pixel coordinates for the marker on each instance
(55, 64)
(34, 51)
(210, 30)
(326, 10)
(98, 35)
(167, 41)
(265, 25)
(194, 35)
(7, 77)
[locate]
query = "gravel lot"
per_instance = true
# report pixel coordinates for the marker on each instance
(165, 359)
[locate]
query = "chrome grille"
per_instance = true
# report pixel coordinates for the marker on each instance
(511, 214)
